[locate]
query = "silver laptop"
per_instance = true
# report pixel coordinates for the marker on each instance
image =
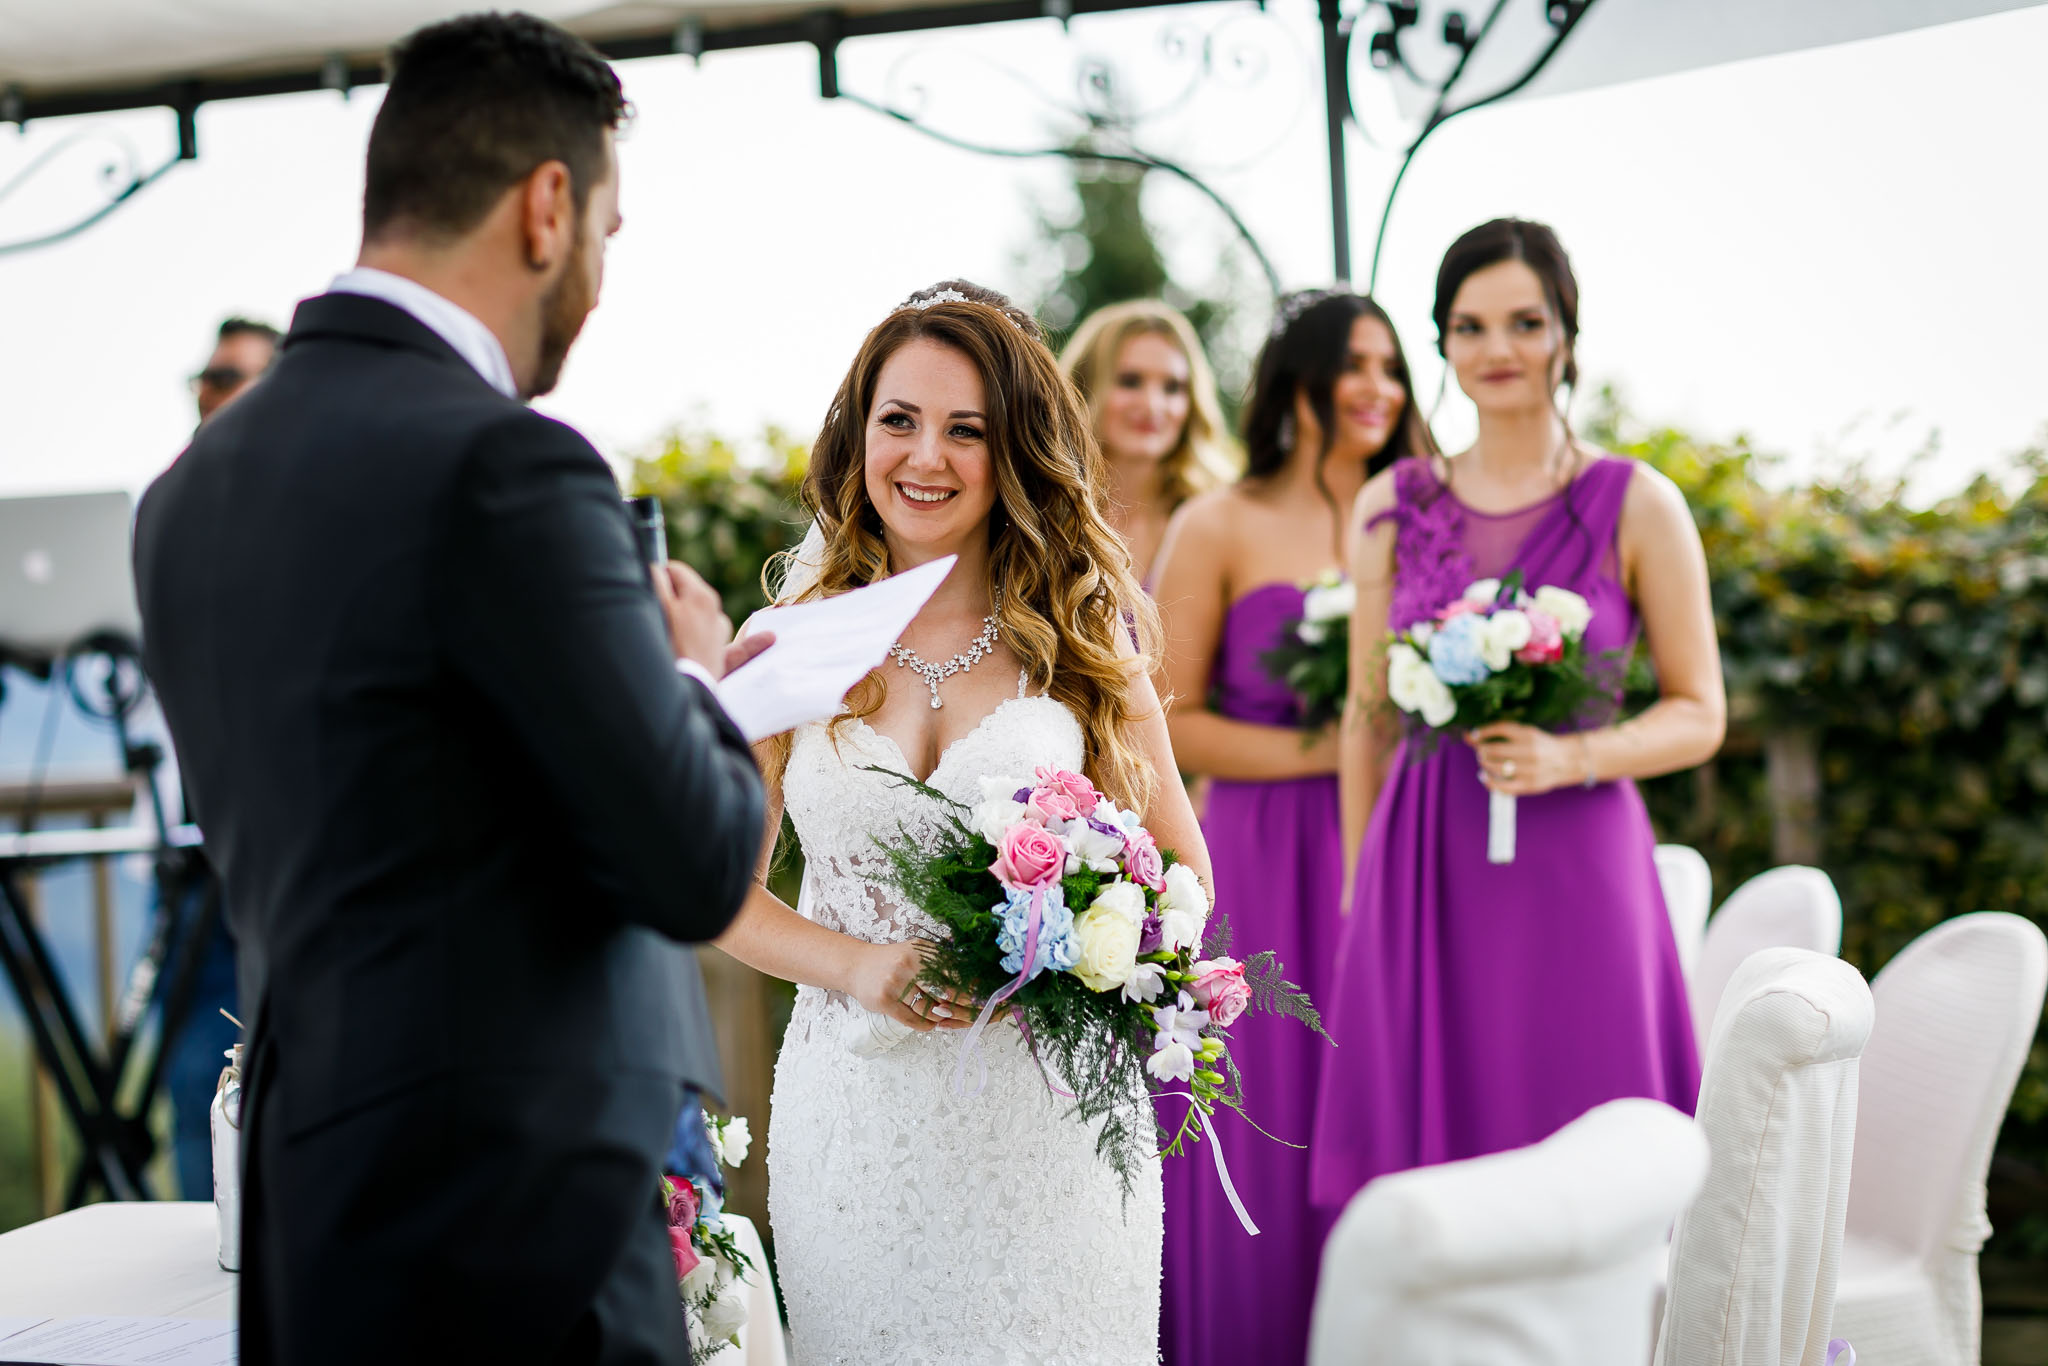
(64, 572)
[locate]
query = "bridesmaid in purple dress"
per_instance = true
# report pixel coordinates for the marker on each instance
(1330, 403)
(1480, 1007)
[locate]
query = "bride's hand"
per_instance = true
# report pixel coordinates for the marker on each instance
(884, 980)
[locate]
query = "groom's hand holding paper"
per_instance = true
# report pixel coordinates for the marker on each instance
(821, 650)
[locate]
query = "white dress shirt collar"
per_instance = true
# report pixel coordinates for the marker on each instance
(450, 321)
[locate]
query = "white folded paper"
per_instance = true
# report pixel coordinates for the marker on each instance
(868, 1035)
(821, 650)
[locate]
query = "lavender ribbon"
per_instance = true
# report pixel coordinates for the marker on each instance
(1839, 1347)
(970, 1047)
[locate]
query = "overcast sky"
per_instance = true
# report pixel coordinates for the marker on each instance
(1833, 251)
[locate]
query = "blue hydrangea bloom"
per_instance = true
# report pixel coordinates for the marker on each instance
(1454, 650)
(1057, 947)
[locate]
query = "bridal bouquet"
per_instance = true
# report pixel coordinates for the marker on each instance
(1313, 658)
(1498, 653)
(710, 1268)
(1065, 914)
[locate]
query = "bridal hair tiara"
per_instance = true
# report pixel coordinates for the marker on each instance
(1296, 304)
(921, 301)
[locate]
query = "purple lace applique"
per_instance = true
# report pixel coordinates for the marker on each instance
(1431, 566)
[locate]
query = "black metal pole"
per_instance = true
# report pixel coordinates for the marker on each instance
(1337, 103)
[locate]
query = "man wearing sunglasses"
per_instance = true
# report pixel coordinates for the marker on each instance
(244, 351)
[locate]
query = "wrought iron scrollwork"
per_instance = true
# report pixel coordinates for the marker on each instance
(1431, 72)
(1109, 116)
(120, 178)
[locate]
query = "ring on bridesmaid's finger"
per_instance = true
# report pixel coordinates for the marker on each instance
(1507, 769)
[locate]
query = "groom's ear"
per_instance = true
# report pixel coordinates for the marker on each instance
(547, 216)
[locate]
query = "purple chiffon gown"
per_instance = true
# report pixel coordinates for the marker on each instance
(1481, 1007)
(1228, 1298)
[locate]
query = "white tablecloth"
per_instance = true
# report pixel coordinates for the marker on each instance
(158, 1261)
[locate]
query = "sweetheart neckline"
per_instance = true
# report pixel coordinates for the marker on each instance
(957, 740)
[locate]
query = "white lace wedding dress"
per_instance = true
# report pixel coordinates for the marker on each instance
(914, 1226)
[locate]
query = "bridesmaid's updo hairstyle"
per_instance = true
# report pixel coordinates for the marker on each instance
(1536, 246)
(1069, 603)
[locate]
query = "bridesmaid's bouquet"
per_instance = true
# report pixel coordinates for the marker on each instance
(710, 1268)
(1313, 657)
(1066, 915)
(1498, 653)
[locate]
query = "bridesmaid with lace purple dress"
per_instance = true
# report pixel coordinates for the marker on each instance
(1330, 404)
(1479, 1007)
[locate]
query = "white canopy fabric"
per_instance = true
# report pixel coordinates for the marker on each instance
(54, 47)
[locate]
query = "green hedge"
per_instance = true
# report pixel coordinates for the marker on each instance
(728, 509)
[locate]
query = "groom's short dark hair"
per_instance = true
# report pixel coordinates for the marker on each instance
(474, 106)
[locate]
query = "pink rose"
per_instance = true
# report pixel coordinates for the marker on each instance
(1142, 863)
(1458, 609)
(682, 1202)
(686, 1255)
(1030, 858)
(1051, 804)
(1075, 787)
(1546, 638)
(1219, 988)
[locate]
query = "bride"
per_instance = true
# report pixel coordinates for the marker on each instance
(913, 1224)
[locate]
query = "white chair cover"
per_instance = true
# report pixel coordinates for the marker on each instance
(1788, 907)
(1956, 1014)
(1688, 895)
(1754, 1260)
(1543, 1256)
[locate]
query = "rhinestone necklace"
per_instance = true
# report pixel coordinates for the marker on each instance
(934, 674)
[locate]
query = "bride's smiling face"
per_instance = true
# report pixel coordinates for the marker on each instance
(928, 467)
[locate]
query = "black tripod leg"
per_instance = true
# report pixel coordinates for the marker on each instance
(56, 1032)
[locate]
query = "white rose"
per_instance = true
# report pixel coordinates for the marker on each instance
(726, 1314)
(1311, 632)
(1183, 908)
(703, 1278)
(991, 818)
(1571, 610)
(1506, 632)
(1122, 898)
(1108, 940)
(1329, 602)
(1415, 688)
(733, 1140)
(1483, 592)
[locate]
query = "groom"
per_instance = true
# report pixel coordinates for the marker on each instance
(439, 739)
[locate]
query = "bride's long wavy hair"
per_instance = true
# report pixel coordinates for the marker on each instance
(1070, 602)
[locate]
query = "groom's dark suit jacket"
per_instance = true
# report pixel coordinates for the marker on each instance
(467, 812)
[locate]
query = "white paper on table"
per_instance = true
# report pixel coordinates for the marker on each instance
(821, 650)
(9, 1327)
(110, 1341)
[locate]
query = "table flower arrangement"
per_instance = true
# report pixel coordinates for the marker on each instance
(1313, 656)
(1499, 653)
(710, 1268)
(1066, 915)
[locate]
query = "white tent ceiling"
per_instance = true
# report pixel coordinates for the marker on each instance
(53, 48)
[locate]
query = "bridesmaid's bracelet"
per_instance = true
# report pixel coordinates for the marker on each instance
(1586, 749)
